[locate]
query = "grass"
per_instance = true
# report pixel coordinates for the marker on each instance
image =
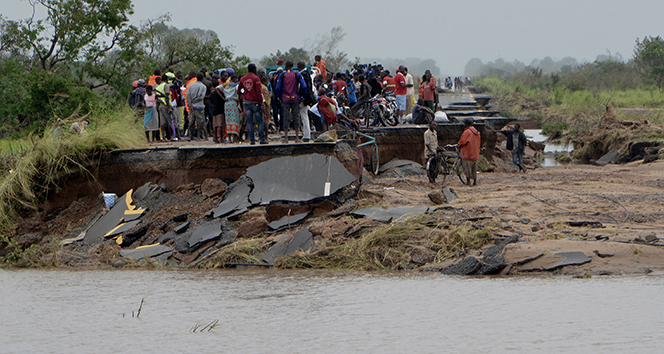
(579, 116)
(241, 251)
(33, 166)
(388, 247)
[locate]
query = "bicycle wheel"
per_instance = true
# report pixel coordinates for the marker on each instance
(458, 169)
(433, 167)
(367, 115)
(444, 169)
(373, 159)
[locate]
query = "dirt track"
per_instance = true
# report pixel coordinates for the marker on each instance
(626, 199)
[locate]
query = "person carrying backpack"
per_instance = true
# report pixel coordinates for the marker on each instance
(291, 88)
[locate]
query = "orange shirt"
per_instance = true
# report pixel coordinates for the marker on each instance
(321, 67)
(152, 80)
(469, 144)
(388, 84)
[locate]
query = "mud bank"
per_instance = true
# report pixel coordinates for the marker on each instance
(610, 216)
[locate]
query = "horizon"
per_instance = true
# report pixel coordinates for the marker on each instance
(513, 30)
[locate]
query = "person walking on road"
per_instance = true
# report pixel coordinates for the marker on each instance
(516, 141)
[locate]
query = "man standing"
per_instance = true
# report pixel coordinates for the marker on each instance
(196, 103)
(410, 90)
(291, 89)
(430, 149)
(251, 96)
(516, 141)
(469, 148)
(163, 91)
(177, 86)
(320, 64)
(400, 93)
(307, 102)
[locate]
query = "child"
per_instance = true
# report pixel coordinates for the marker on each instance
(150, 120)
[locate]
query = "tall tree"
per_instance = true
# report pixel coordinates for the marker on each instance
(327, 45)
(649, 59)
(164, 46)
(72, 30)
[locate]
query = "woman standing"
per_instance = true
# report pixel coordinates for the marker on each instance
(232, 110)
(150, 121)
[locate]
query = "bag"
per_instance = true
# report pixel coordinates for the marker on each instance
(133, 99)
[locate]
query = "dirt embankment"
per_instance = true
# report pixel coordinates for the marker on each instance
(620, 209)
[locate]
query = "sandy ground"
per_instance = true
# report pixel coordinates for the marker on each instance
(626, 199)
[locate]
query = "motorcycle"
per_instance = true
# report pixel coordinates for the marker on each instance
(383, 107)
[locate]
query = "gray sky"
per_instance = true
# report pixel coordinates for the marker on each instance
(450, 32)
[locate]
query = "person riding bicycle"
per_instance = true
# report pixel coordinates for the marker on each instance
(430, 149)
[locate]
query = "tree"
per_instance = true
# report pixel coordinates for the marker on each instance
(164, 46)
(293, 54)
(649, 59)
(326, 45)
(72, 30)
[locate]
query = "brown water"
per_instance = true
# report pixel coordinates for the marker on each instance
(269, 311)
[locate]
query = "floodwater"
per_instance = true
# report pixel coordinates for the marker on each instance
(550, 149)
(272, 311)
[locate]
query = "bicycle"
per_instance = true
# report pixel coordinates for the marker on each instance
(445, 163)
(348, 129)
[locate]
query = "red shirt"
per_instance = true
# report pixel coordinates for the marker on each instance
(388, 84)
(339, 86)
(469, 144)
(429, 88)
(250, 88)
(398, 79)
(328, 109)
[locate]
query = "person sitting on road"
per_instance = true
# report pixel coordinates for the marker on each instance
(430, 148)
(421, 113)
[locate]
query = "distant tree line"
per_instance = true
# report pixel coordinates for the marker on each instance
(608, 71)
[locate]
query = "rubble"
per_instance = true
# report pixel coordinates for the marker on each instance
(301, 241)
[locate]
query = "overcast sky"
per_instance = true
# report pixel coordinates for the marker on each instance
(450, 32)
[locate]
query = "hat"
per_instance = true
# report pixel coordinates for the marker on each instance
(170, 75)
(230, 72)
(135, 84)
(141, 82)
(280, 70)
(280, 62)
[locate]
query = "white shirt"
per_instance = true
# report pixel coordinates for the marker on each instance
(409, 81)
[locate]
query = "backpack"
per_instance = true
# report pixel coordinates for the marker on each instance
(133, 99)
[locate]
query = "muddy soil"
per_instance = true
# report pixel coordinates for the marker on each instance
(623, 206)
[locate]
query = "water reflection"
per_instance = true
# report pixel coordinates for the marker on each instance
(270, 311)
(551, 150)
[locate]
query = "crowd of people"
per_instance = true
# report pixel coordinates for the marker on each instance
(296, 97)
(303, 98)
